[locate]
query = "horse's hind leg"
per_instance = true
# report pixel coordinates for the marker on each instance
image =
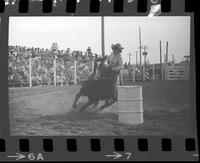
(86, 105)
(96, 103)
(76, 99)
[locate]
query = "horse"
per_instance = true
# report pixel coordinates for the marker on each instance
(98, 86)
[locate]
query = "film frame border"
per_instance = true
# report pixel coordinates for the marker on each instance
(107, 143)
(96, 8)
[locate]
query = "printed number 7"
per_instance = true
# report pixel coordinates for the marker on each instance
(128, 155)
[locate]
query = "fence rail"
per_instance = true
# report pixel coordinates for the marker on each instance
(176, 73)
(153, 72)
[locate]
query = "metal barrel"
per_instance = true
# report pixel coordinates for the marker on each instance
(130, 107)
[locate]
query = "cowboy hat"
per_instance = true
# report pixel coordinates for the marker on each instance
(117, 46)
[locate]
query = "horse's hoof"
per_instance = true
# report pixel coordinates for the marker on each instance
(101, 108)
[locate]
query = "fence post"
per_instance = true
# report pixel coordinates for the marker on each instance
(75, 77)
(167, 72)
(92, 65)
(62, 79)
(121, 77)
(54, 64)
(133, 74)
(143, 74)
(30, 72)
(153, 72)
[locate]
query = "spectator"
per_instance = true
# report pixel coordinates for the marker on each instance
(125, 65)
(42, 63)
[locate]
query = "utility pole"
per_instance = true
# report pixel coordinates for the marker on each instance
(102, 37)
(166, 62)
(140, 46)
(167, 52)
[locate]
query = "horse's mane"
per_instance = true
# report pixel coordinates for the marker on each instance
(105, 71)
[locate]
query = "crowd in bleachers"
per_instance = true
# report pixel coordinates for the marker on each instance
(42, 65)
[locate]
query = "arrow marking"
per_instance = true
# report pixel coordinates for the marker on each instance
(18, 156)
(115, 155)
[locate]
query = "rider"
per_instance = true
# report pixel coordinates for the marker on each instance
(115, 61)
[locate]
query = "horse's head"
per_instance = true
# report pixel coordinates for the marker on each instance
(104, 70)
(99, 61)
(101, 69)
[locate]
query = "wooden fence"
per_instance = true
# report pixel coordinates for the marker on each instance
(177, 72)
(153, 72)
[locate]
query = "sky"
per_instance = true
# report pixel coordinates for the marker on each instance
(77, 33)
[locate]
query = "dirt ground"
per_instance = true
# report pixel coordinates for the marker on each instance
(47, 111)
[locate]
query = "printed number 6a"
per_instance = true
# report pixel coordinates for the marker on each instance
(33, 156)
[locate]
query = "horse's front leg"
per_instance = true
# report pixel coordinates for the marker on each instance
(114, 97)
(76, 99)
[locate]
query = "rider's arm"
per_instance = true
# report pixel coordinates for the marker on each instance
(120, 66)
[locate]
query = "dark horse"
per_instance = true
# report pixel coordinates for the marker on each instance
(98, 86)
